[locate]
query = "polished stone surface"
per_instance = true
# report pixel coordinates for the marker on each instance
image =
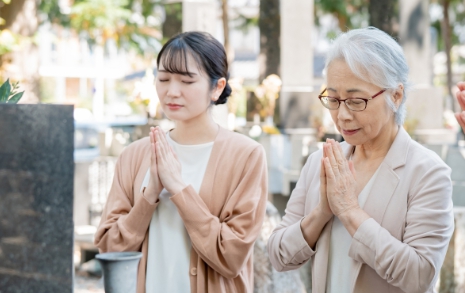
(36, 198)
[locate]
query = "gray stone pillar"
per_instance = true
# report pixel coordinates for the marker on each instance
(296, 62)
(199, 15)
(424, 102)
(415, 38)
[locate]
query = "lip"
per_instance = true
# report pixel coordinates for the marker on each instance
(350, 131)
(174, 106)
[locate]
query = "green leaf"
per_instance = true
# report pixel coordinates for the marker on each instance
(15, 99)
(5, 91)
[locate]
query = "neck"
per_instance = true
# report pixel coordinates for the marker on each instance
(195, 131)
(378, 147)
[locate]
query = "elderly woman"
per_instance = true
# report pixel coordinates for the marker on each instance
(373, 214)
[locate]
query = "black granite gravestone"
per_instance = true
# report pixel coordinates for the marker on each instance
(36, 198)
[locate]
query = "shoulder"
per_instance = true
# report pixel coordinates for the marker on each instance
(136, 151)
(423, 158)
(240, 143)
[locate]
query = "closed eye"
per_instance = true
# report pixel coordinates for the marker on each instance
(163, 80)
(188, 82)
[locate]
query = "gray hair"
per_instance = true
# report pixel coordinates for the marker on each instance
(375, 57)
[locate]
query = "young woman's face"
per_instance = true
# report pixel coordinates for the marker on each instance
(183, 97)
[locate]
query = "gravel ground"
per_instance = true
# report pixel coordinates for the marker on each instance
(87, 284)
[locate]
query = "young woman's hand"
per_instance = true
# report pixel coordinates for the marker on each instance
(461, 99)
(153, 190)
(169, 167)
(340, 180)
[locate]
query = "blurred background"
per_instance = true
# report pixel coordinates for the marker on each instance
(100, 56)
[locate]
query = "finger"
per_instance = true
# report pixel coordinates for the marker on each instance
(160, 145)
(338, 155)
(461, 85)
(322, 172)
(163, 138)
(332, 160)
(461, 99)
(152, 146)
(461, 119)
(340, 158)
(328, 171)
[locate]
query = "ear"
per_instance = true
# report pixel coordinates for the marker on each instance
(398, 95)
(218, 89)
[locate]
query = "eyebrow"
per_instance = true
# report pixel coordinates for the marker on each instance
(347, 91)
(184, 73)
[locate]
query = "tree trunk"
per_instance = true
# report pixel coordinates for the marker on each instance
(270, 30)
(227, 44)
(446, 33)
(382, 15)
(21, 18)
(173, 21)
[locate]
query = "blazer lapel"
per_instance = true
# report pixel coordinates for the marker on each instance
(387, 179)
(384, 186)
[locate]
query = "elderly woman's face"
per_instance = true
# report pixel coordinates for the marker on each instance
(365, 126)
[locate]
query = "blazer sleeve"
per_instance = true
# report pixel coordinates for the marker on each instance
(225, 245)
(124, 223)
(413, 263)
(287, 247)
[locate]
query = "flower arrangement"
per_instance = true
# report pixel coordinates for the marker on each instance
(268, 92)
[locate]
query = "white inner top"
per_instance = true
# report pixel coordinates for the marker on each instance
(169, 244)
(339, 275)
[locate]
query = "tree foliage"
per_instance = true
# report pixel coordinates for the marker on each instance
(132, 24)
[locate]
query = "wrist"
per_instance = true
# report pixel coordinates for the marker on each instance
(322, 213)
(352, 219)
(151, 194)
(176, 188)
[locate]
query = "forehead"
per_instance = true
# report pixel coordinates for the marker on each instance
(180, 61)
(340, 77)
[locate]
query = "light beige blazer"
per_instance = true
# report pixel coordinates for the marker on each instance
(402, 246)
(223, 220)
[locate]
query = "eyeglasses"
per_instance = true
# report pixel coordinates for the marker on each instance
(354, 104)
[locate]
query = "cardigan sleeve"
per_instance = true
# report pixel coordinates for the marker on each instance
(225, 245)
(287, 247)
(413, 263)
(124, 223)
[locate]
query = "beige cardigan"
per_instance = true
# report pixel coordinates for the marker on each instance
(223, 219)
(402, 246)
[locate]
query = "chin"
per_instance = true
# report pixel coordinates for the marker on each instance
(352, 140)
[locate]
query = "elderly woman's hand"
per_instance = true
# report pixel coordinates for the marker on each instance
(324, 204)
(340, 179)
(461, 99)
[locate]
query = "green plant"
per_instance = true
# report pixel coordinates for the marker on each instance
(9, 93)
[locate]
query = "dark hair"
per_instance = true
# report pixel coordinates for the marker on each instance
(207, 52)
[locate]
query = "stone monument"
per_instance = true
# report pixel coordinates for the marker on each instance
(296, 63)
(36, 198)
(424, 102)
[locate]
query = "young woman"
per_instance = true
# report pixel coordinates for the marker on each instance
(193, 199)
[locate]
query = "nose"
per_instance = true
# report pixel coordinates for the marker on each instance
(174, 90)
(344, 113)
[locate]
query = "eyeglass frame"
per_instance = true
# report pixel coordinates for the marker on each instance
(320, 96)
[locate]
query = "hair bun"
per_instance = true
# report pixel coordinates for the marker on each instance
(224, 95)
